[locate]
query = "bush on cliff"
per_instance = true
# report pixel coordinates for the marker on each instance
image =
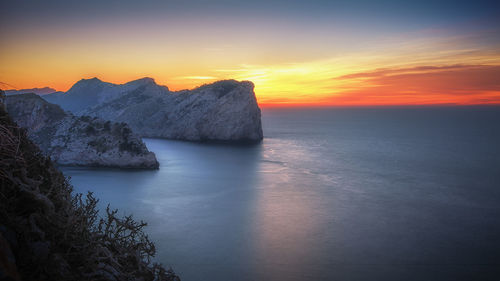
(47, 233)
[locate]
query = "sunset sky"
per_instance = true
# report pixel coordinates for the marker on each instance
(296, 52)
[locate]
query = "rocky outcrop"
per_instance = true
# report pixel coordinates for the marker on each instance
(221, 111)
(49, 233)
(79, 140)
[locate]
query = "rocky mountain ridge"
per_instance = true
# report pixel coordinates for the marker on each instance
(38, 91)
(222, 111)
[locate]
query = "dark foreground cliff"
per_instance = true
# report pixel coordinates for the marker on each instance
(47, 233)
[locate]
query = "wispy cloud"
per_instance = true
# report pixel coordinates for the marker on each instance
(409, 70)
(450, 84)
(7, 85)
(198, 77)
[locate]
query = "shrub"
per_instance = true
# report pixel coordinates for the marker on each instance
(59, 235)
(131, 147)
(90, 130)
(107, 126)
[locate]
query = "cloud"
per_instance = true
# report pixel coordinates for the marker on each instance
(452, 84)
(417, 69)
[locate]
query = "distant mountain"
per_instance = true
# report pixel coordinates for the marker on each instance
(38, 91)
(87, 93)
(221, 111)
(78, 140)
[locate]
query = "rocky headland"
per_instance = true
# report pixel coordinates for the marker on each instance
(79, 140)
(222, 111)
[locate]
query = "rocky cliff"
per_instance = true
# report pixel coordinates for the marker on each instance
(221, 111)
(49, 233)
(79, 140)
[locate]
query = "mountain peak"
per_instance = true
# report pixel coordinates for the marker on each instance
(91, 80)
(147, 79)
(143, 81)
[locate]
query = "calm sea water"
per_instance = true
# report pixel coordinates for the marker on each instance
(330, 194)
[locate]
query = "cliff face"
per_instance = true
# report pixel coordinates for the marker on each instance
(221, 111)
(49, 233)
(79, 140)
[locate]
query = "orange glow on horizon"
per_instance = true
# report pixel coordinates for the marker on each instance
(404, 71)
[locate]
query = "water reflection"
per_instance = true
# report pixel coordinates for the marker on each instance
(339, 194)
(199, 205)
(289, 211)
(119, 187)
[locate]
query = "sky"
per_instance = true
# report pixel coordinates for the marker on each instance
(314, 53)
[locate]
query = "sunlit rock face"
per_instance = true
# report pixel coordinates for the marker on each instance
(221, 111)
(79, 140)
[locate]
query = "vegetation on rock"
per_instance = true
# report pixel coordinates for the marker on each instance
(79, 140)
(48, 233)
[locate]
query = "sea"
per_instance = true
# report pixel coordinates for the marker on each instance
(383, 193)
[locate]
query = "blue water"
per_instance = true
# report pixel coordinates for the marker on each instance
(330, 194)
